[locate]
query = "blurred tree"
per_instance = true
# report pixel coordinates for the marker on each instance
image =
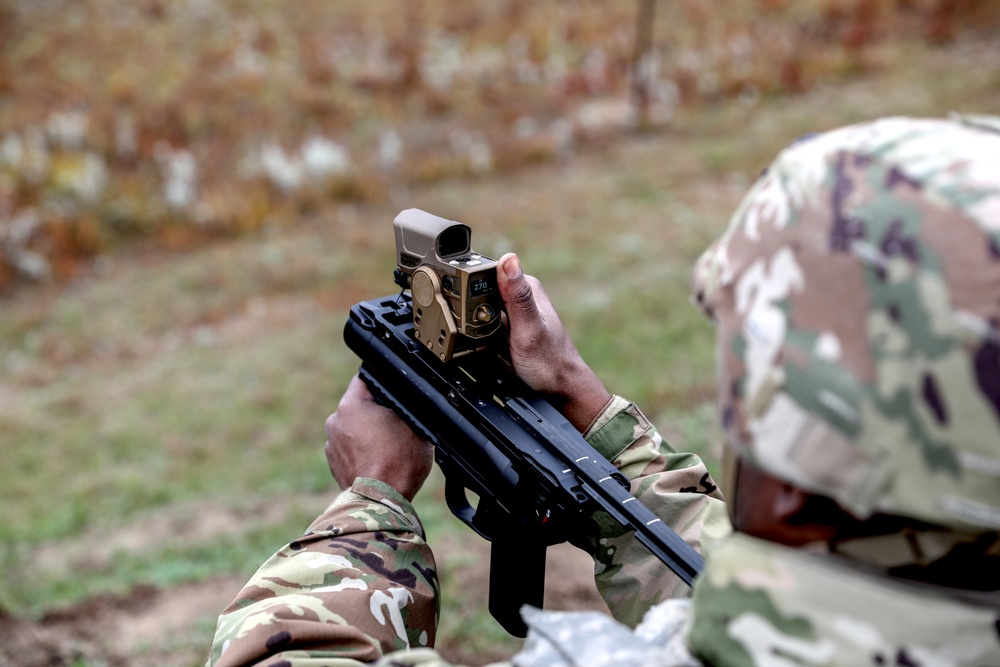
(642, 64)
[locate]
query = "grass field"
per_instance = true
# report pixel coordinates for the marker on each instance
(162, 405)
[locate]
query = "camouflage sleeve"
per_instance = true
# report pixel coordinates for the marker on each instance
(676, 486)
(360, 583)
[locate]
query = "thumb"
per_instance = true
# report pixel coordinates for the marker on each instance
(515, 290)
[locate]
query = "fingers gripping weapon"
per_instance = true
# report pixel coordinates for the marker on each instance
(435, 358)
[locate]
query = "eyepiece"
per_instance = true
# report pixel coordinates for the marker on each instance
(454, 241)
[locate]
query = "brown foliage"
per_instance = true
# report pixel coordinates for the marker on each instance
(186, 124)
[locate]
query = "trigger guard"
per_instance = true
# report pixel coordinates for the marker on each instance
(458, 503)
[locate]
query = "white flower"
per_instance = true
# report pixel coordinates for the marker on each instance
(68, 129)
(322, 158)
(390, 149)
(283, 171)
(180, 175)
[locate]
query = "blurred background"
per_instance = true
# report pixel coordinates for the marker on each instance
(194, 192)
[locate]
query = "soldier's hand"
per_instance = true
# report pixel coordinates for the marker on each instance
(365, 439)
(541, 349)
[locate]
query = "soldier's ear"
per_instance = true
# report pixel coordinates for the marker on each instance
(771, 509)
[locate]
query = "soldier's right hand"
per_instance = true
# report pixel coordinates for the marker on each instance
(541, 350)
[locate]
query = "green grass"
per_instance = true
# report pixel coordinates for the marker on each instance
(211, 421)
(166, 566)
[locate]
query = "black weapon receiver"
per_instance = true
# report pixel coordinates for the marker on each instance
(538, 481)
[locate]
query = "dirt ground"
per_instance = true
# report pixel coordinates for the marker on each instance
(114, 630)
(150, 625)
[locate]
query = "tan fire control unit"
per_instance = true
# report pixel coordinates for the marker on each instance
(456, 306)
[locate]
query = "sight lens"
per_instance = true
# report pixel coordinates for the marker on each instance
(453, 241)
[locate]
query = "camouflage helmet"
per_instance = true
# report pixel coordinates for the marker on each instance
(856, 295)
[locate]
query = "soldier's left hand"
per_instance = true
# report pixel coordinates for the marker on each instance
(365, 439)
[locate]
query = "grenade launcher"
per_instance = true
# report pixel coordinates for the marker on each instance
(436, 357)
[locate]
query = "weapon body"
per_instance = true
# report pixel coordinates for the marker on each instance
(537, 480)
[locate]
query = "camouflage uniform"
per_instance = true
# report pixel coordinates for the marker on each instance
(361, 583)
(856, 296)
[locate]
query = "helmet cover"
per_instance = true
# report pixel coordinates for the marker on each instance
(856, 295)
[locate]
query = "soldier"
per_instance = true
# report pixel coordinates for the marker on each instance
(856, 299)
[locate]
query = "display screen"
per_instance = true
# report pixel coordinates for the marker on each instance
(478, 286)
